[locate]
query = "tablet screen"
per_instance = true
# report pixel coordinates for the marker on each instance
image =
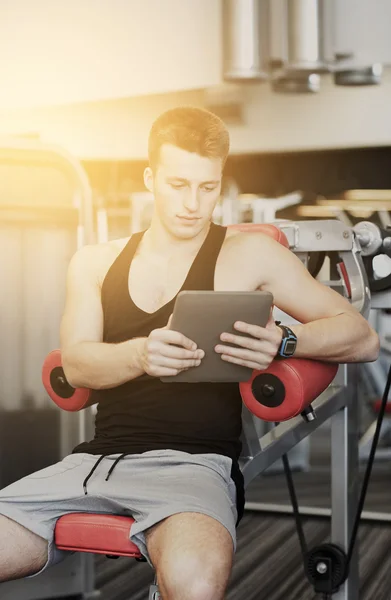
(202, 316)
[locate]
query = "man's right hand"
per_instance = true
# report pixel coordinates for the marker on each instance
(166, 353)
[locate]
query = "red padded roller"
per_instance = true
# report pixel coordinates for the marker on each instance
(58, 388)
(99, 534)
(270, 230)
(286, 388)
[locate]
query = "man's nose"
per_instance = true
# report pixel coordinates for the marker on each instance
(191, 201)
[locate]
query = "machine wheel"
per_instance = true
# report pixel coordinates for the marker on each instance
(326, 568)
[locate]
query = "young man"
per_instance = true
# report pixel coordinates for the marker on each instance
(167, 453)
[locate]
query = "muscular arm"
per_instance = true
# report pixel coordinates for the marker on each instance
(87, 361)
(331, 329)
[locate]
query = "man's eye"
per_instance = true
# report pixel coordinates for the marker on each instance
(208, 189)
(177, 186)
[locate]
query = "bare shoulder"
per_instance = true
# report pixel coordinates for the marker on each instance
(96, 259)
(253, 258)
(244, 242)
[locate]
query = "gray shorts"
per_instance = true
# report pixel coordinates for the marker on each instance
(148, 487)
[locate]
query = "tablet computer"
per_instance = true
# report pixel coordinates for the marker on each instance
(202, 316)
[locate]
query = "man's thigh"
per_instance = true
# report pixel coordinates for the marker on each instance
(185, 531)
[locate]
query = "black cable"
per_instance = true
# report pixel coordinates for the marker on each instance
(295, 505)
(294, 502)
(368, 470)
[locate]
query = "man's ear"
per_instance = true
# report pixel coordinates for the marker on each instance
(148, 179)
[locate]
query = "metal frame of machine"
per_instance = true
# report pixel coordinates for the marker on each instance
(339, 403)
(336, 403)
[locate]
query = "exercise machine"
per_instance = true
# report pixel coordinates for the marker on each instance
(297, 394)
(375, 242)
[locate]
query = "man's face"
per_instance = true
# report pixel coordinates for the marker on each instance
(186, 187)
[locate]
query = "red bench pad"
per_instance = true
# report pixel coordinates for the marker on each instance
(99, 534)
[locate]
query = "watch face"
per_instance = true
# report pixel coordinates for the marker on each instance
(290, 347)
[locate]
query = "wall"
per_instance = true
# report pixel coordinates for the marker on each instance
(334, 118)
(54, 52)
(60, 52)
(363, 27)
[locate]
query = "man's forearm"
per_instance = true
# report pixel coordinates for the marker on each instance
(98, 365)
(344, 338)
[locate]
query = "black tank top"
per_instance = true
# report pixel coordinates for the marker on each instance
(146, 414)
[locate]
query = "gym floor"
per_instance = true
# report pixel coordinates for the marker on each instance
(268, 562)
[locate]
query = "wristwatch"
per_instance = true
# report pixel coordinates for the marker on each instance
(288, 343)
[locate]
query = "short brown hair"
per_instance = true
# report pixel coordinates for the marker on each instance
(192, 129)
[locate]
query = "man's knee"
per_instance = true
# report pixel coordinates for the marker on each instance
(195, 577)
(192, 554)
(197, 589)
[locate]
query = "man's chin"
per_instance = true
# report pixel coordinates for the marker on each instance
(188, 229)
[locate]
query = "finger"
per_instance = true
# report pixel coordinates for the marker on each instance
(240, 353)
(173, 363)
(173, 337)
(244, 363)
(250, 343)
(164, 372)
(255, 345)
(176, 352)
(254, 330)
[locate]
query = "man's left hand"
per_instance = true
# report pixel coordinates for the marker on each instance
(255, 352)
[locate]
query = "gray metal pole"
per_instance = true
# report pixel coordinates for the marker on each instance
(344, 480)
